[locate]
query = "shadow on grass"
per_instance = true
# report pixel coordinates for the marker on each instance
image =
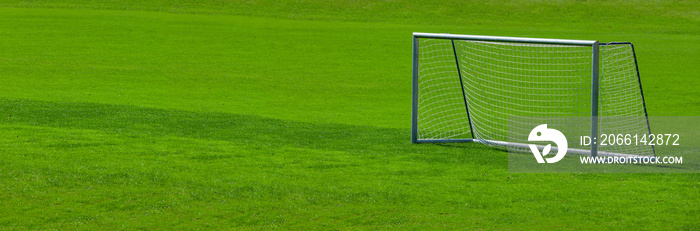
(245, 130)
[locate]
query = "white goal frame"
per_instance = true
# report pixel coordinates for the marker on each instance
(594, 91)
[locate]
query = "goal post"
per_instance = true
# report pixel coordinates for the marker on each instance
(467, 87)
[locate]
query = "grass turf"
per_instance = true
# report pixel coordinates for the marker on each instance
(296, 115)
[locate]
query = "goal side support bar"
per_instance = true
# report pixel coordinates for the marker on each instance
(594, 78)
(414, 111)
(461, 83)
(594, 97)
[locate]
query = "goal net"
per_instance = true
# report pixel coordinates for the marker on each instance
(488, 89)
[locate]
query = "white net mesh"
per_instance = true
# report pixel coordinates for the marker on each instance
(441, 110)
(621, 104)
(503, 81)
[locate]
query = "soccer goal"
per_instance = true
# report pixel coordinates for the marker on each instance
(469, 88)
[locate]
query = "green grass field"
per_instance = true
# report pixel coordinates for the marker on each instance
(296, 115)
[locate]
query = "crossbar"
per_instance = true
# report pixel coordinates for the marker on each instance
(505, 39)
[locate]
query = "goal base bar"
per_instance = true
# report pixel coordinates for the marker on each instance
(526, 146)
(445, 141)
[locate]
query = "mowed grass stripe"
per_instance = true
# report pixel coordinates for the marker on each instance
(168, 161)
(327, 72)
